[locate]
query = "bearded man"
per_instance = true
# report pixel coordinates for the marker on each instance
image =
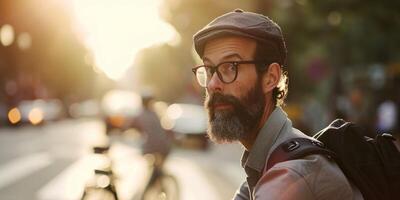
(244, 55)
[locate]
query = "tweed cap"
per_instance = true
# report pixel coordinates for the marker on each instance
(245, 24)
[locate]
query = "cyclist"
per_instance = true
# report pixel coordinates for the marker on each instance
(157, 144)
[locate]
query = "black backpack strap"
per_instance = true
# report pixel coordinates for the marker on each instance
(390, 158)
(296, 148)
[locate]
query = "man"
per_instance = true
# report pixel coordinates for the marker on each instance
(156, 145)
(156, 140)
(243, 55)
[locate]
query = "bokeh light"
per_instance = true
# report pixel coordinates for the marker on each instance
(14, 116)
(36, 116)
(24, 41)
(167, 123)
(174, 111)
(6, 35)
(103, 181)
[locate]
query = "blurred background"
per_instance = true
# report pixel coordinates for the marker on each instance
(72, 73)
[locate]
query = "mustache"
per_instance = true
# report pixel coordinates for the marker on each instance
(218, 98)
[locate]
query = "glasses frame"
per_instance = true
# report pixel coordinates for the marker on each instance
(234, 63)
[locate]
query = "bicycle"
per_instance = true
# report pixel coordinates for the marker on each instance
(160, 185)
(102, 185)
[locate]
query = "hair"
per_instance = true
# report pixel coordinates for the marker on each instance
(270, 53)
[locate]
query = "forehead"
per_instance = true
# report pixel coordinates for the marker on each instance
(223, 47)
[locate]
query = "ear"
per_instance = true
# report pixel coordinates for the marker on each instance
(271, 78)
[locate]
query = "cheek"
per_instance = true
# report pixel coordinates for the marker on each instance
(240, 89)
(244, 82)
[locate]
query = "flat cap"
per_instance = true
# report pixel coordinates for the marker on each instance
(245, 24)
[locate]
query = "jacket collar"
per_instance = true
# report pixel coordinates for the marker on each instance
(256, 157)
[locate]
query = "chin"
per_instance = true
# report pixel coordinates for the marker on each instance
(221, 133)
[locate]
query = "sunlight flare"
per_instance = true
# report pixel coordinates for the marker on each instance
(116, 30)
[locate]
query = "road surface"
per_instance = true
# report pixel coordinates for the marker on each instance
(55, 160)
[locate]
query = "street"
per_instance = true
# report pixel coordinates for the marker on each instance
(55, 160)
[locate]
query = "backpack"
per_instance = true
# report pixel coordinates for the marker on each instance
(373, 165)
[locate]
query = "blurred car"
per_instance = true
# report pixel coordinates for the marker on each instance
(119, 108)
(36, 112)
(85, 109)
(188, 122)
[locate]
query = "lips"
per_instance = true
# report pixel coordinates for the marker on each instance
(218, 101)
(221, 106)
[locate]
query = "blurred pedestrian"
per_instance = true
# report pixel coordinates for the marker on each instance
(244, 55)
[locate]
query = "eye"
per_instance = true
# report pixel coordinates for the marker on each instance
(232, 66)
(227, 67)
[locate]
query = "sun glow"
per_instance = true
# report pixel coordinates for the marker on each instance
(115, 30)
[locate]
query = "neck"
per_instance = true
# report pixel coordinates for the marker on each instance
(249, 141)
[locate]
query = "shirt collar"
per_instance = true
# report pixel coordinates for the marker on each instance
(256, 157)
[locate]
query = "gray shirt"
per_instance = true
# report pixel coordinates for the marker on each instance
(312, 177)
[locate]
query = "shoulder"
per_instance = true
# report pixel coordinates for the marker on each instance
(312, 177)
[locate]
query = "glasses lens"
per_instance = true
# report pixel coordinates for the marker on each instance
(201, 75)
(228, 72)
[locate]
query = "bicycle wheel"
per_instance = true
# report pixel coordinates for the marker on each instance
(164, 188)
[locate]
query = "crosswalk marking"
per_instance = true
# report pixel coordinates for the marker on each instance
(69, 184)
(129, 167)
(22, 167)
(191, 180)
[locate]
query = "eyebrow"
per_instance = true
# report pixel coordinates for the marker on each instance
(233, 55)
(224, 58)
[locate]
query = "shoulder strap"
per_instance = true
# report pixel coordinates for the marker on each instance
(296, 148)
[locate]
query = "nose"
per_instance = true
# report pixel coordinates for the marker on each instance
(215, 84)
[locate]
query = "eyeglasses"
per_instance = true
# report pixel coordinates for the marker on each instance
(227, 71)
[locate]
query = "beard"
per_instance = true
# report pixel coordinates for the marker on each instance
(236, 122)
